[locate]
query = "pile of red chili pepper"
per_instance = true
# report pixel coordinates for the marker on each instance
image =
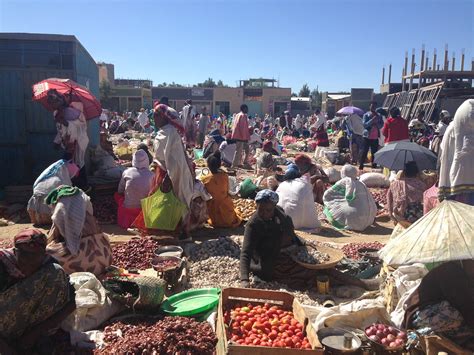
(137, 253)
(351, 250)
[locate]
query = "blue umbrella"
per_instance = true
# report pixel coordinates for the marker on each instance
(349, 110)
(395, 155)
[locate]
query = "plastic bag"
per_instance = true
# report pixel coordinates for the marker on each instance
(375, 180)
(162, 210)
(247, 188)
(333, 175)
(93, 306)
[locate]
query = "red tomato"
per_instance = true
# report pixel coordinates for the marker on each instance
(279, 312)
(267, 325)
(308, 346)
(288, 342)
(290, 333)
(256, 342)
(273, 335)
(299, 335)
(248, 325)
(297, 345)
(294, 322)
(299, 326)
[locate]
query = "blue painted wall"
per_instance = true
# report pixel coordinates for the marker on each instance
(27, 129)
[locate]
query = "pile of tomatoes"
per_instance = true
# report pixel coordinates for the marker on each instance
(265, 325)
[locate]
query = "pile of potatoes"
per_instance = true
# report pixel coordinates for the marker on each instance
(245, 208)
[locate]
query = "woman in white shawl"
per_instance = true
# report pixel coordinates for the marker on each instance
(57, 174)
(456, 176)
(348, 204)
(174, 171)
(75, 239)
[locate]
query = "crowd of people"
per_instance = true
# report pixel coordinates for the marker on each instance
(162, 193)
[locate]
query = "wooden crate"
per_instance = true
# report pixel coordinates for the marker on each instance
(230, 296)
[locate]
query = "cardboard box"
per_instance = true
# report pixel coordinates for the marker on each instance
(230, 296)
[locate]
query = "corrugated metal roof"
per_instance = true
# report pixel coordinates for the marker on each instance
(307, 99)
(338, 96)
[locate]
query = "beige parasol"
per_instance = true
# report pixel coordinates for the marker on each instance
(446, 233)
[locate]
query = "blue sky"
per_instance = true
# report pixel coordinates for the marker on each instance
(332, 44)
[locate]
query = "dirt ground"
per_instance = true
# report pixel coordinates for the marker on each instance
(380, 231)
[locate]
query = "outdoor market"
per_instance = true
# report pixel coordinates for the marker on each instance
(223, 218)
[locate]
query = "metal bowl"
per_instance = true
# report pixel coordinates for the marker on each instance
(169, 250)
(176, 263)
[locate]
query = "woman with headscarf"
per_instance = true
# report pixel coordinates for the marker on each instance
(174, 171)
(35, 294)
(75, 239)
(348, 204)
(220, 207)
(227, 149)
(320, 127)
(188, 120)
(316, 175)
(296, 199)
(57, 174)
(456, 175)
(71, 131)
(212, 143)
(269, 238)
(405, 196)
(133, 187)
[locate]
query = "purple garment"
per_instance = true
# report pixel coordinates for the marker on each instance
(71, 113)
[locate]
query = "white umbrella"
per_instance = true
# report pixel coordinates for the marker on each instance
(446, 233)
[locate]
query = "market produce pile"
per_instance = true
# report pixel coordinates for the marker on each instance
(351, 250)
(137, 253)
(215, 263)
(309, 255)
(265, 325)
(379, 195)
(172, 335)
(386, 336)
(105, 209)
(245, 208)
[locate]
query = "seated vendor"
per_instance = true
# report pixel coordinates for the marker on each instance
(318, 177)
(212, 143)
(444, 303)
(405, 196)
(75, 239)
(268, 233)
(220, 207)
(133, 187)
(227, 149)
(59, 173)
(35, 295)
(348, 204)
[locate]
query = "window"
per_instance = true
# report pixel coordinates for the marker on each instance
(223, 106)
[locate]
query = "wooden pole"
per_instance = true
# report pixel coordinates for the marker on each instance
(422, 63)
(434, 59)
(462, 60)
(454, 62)
(405, 71)
(390, 73)
(412, 69)
(383, 75)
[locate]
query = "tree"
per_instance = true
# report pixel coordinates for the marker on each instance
(293, 94)
(305, 91)
(209, 83)
(316, 99)
(104, 90)
(220, 84)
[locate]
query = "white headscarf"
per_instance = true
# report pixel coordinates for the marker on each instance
(140, 159)
(350, 173)
(457, 149)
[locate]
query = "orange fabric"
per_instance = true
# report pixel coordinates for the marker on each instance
(220, 207)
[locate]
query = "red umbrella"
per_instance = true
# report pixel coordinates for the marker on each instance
(72, 90)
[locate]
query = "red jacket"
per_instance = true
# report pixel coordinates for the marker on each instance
(395, 129)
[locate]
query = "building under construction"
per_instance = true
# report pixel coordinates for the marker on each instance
(429, 85)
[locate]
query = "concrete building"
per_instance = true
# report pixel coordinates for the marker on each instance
(27, 128)
(260, 100)
(125, 94)
(358, 97)
(301, 106)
